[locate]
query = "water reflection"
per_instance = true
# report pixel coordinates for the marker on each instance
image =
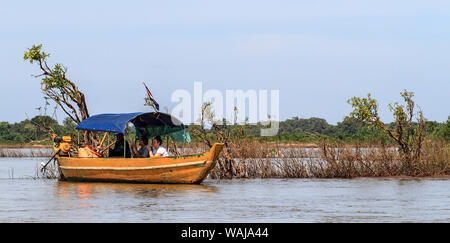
(88, 190)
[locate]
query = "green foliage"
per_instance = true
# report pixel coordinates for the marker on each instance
(68, 128)
(57, 80)
(35, 54)
(365, 110)
(405, 132)
(31, 131)
(56, 86)
(312, 130)
(148, 102)
(441, 130)
(311, 125)
(408, 135)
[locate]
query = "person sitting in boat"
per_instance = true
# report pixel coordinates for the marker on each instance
(143, 149)
(156, 150)
(117, 151)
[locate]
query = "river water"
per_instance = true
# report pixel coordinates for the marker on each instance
(24, 199)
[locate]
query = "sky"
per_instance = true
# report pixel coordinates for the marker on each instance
(318, 54)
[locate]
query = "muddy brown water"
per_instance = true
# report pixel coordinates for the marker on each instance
(24, 199)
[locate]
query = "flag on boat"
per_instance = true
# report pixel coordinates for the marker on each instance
(152, 99)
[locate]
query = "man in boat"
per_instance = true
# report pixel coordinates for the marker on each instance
(156, 150)
(117, 151)
(143, 149)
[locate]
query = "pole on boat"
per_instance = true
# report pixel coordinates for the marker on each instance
(109, 145)
(107, 148)
(184, 140)
(103, 139)
(45, 165)
(167, 142)
(125, 141)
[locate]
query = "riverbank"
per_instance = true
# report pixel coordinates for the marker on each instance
(29, 146)
(26, 152)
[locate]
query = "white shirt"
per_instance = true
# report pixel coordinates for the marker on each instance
(161, 150)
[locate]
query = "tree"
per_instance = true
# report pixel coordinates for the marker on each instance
(68, 128)
(56, 86)
(409, 135)
(222, 134)
(442, 131)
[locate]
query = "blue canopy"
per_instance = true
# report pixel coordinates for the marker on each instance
(108, 122)
(149, 124)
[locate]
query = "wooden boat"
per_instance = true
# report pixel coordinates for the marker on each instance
(193, 168)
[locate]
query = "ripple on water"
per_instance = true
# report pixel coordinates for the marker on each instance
(255, 200)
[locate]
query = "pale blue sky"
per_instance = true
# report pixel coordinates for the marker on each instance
(317, 53)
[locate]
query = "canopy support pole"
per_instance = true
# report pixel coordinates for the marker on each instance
(125, 141)
(184, 139)
(109, 145)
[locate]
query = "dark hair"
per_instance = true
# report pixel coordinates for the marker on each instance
(144, 140)
(158, 139)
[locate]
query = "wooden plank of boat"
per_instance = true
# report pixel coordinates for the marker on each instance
(179, 169)
(133, 168)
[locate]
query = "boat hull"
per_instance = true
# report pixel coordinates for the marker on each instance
(180, 169)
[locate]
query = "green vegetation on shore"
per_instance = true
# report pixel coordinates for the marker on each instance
(33, 131)
(314, 130)
(294, 130)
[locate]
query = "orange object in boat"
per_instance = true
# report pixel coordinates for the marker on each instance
(88, 152)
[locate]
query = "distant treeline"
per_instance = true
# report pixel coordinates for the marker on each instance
(317, 129)
(314, 129)
(290, 131)
(34, 131)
